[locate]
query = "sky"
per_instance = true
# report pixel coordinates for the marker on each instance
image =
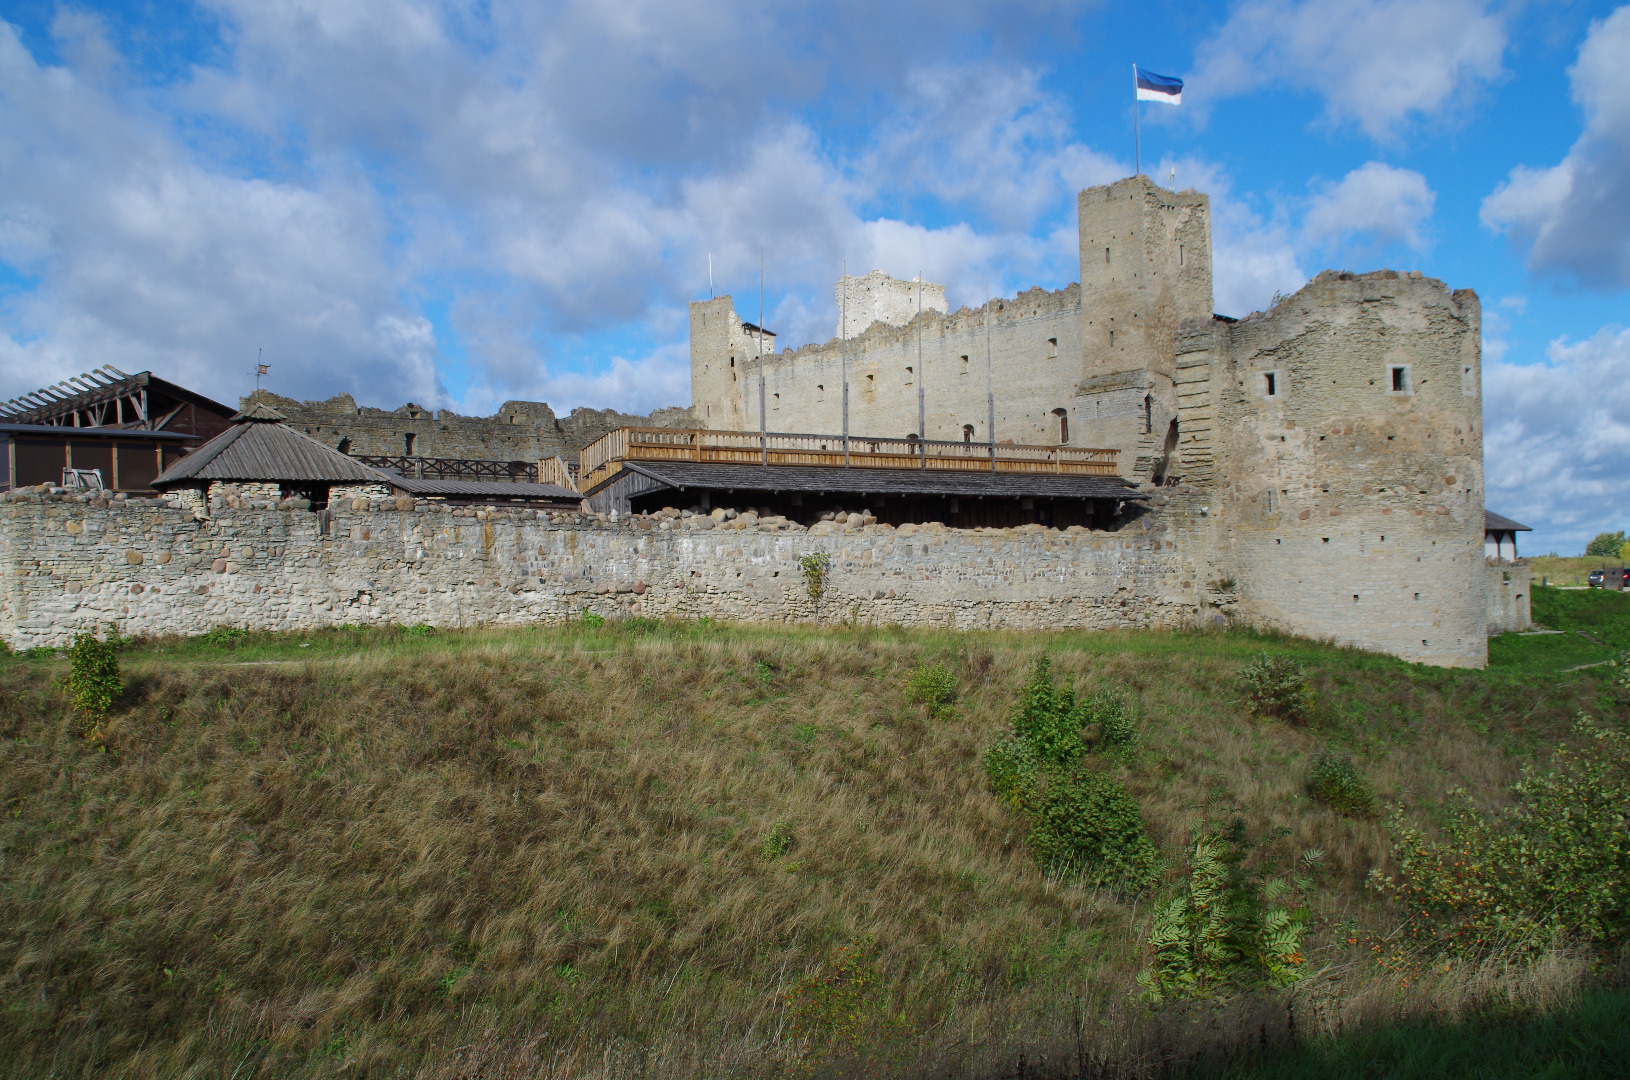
(459, 203)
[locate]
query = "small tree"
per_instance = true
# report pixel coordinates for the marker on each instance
(94, 679)
(1605, 545)
(816, 565)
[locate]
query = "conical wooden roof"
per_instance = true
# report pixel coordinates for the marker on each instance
(260, 447)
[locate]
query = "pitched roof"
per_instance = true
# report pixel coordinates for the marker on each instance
(260, 447)
(715, 475)
(1493, 522)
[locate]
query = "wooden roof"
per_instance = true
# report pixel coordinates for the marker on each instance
(1493, 522)
(57, 404)
(260, 447)
(724, 475)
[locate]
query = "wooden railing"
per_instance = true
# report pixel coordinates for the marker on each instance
(603, 458)
(550, 470)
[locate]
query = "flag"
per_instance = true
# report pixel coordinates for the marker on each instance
(1152, 87)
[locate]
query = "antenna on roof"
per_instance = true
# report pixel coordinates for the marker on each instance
(261, 370)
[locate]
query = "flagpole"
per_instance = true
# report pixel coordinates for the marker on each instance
(1137, 140)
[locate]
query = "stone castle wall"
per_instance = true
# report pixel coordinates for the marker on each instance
(1350, 509)
(1034, 364)
(146, 567)
(1508, 591)
(518, 431)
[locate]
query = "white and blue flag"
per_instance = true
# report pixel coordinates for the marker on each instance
(1152, 87)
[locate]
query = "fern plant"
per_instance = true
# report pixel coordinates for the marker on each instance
(1230, 928)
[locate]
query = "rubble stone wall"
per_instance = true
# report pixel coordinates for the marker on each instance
(152, 567)
(518, 431)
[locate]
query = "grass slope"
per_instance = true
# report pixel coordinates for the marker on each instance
(544, 852)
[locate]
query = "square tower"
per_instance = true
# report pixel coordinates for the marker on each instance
(1145, 272)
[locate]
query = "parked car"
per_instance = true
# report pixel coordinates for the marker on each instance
(1609, 578)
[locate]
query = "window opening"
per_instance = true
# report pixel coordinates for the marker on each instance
(1106, 256)
(1400, 378)
(1063, 425)
(1148, 415)
(967, 429)
(1270, 383)
(407, 444)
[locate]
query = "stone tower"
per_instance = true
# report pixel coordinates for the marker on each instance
(1145, 272)
(723, 369)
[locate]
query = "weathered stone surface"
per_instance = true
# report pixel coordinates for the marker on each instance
(272, 569)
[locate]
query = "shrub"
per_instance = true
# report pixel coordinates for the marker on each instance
(778, 842)
(225, 637)
(1276, 686)
(935, 687)
(1225, 931)
(1554, 864)
(1605, 545)
(1336, 783)
(841, 1010)
(593, 621)
(1084, 823)
(94, 680)
(1050, 718)
(1112, 713)
(1011, 766)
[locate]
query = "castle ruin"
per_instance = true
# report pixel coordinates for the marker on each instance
(1333, 443)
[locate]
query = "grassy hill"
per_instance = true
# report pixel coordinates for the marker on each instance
(638, 850)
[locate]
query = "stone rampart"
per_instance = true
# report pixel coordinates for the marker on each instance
(149, 567)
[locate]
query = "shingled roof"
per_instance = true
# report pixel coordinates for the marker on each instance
(717, 475)
(259, 446)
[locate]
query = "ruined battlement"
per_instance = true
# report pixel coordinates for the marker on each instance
(518, 431)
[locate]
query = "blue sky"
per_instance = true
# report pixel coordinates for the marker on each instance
(458, 203)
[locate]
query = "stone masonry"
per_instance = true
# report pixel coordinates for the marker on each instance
(518, 431)
(1336, 440)
(152, 567)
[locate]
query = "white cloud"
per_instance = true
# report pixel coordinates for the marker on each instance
(149, 260)
(1374, 200)
(1556, 438)
(1380, 64)
(1574, 217)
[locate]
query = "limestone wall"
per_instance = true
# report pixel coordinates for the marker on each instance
(1507, 588)
(1354, 510)
(1035, 363)
(149, 568)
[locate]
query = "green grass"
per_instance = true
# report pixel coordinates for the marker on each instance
(1595, 625)
(389, 853)
(1587, 1040)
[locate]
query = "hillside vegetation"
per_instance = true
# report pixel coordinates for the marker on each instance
(687, 850)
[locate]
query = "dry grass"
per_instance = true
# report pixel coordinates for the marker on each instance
(540, 853)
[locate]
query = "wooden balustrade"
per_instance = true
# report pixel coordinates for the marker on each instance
(603, 458)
